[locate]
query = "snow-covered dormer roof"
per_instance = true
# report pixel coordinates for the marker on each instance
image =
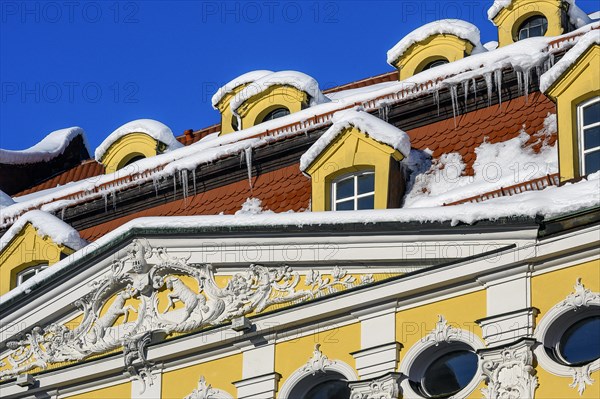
(576, 15)
(456, 27)
(299, 80)
(47, 225)
(370, 125)
(246, 78)
(151, 127)
(589, 39)
(51, 146)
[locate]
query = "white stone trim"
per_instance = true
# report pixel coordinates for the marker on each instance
(318, 363)
(206, 391)
(441, 333)
(547, 330)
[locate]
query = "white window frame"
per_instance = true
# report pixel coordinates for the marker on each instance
(36, 269)
(355, 197)
(581, 127)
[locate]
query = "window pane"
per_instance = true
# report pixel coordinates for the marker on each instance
(581, 342)
(366, 183)
(366, 202)
(591, 114)
(591, 138)
(329, 390)
(27, 275)
(592, 162)
(345, 188)
(450, 373)
(345, 206)
(535, 31)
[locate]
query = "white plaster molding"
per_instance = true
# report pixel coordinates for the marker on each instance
(206, 391)
(375, 361)
(318, 363)
(383, 387)
(503, 329)
(258, 387)
(549, 331)
(419, 356)
(509, 371)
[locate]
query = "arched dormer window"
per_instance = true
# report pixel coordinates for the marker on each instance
(142, 138)
(533, 27)
(276, 113)
(434, 44)
(29, 272)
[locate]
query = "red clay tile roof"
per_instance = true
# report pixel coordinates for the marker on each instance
(281, 190)
(490, 122)
(84, 170)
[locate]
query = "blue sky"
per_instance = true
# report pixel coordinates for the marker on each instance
(100, 64)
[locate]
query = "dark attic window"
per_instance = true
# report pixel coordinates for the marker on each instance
(276, 113)
(533, 27)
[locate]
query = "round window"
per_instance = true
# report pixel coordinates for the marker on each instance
(580, 343)
(335, 389)
(533, 27)
(436, 63)
(444, 370)
(276, 113)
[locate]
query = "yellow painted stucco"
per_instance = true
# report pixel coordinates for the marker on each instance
(578, 84)
(352, 151)
(548, 290)
(26, 249)
(254, 109)
(219, 373)
(120, 391)
(434, 48)
(461, 312)
(510, 18)
(225, 110)
(336, 343)
(128, 147)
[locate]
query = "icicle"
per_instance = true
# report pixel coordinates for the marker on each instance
(489, 85)
(519, 74)
(194, 178)
(155, 184)
(436, 98)
(105, 196)
(498, 79)
(114, 199)
(248, 154)
(183, 176)
(474, 84)
(465, 86)
(454, 98)
(383, 112)
(174, 186)
(526, 84)
(62, 214)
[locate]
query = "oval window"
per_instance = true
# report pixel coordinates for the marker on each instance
(329, 390)
(276, 113)
(580, 344)
(436, 63)
(449, 373)
(533, 27)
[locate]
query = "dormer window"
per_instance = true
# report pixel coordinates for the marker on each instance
(30, 272)
(276, 113)
(354, 192)
(533, 27)
(588, 120)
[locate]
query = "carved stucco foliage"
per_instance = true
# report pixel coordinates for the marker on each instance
(318, 362)
(509, 372)
(206, 391)
(140, 275)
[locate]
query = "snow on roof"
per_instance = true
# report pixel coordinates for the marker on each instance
(368, 124)
(5, 199)
(246, 78)
(51, 146)
(154, 129)
(456, 27)
(548, 78)
(299, 80)
(576, 15)
(550, 202)
(47, 225)
(522, 56)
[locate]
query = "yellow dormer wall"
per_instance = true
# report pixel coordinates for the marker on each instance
(437, 47)
(254, 109)
(510, 19)
(128, 147)
(581, 82)
(353, 151)
(26, 249)
(225, 110)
